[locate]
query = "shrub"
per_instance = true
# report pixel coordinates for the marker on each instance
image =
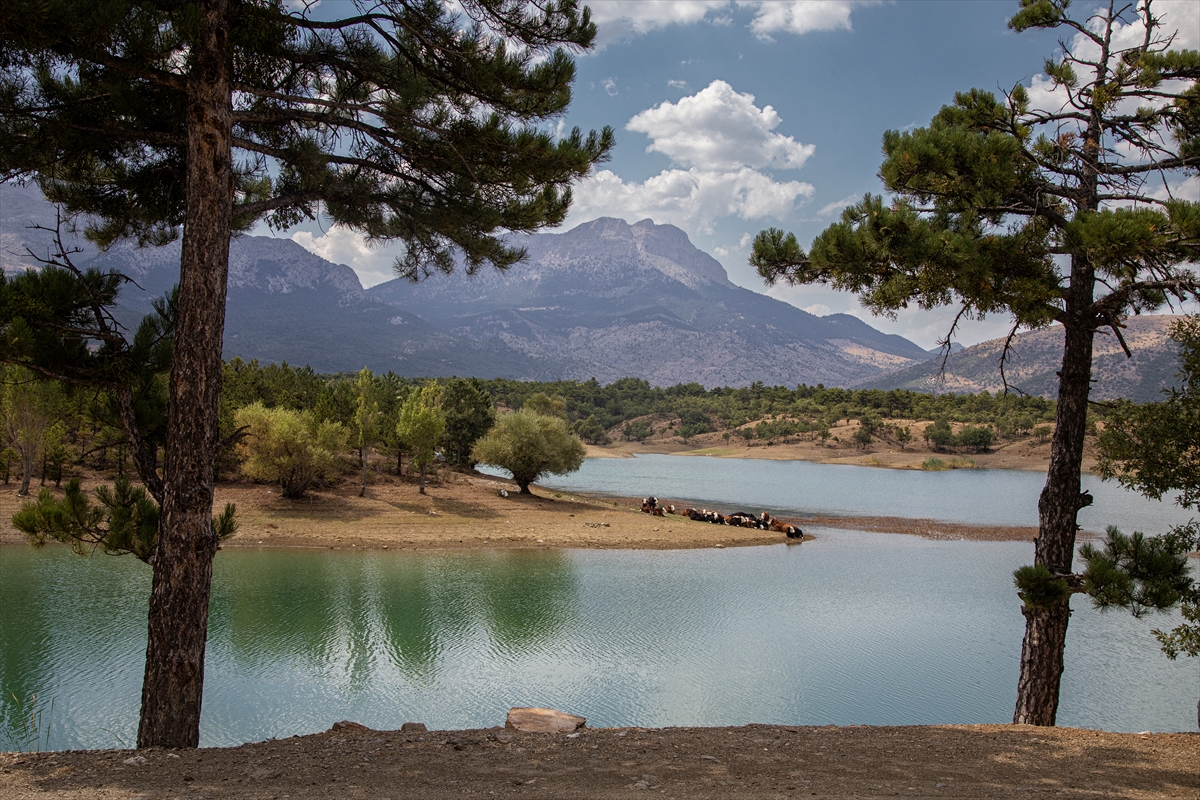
(289, 447)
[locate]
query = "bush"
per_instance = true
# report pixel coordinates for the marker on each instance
(638, 430)
(530, 445)
(977, 437)
(289, 447)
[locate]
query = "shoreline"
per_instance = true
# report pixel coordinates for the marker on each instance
(466, 511)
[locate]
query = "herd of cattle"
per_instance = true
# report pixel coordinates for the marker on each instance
(740, 519)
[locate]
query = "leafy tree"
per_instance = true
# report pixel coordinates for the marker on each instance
(976, 437)
(530, 445)
(640, 429)
(469, 414)
(591, 431)
(367, 417)
(547, 406)
(1046, 214)
(420, 427)
(399, 120)
(291, 448)
(29, 407)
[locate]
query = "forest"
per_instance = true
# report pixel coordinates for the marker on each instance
(55, 430)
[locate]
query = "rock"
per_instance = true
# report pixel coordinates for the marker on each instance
(135, 761)
(347, 725)
(414, 727)
(542, 720)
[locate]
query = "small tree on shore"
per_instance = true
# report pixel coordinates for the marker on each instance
(289, 447)
(530, 445)
(420, 427)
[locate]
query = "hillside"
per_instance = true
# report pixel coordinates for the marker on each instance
(1036, 357)
(611, 300)
(607, 299)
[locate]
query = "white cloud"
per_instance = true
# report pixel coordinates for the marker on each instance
(818, 310)
(719, 129)
(829, 209)
(622, 19)
(610, 86)
(801, 17)
(693, 199)
(674, 84)
(718, 142)
(341, 245)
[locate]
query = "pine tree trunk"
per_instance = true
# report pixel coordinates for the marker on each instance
(178, 619)
(422, 490)
(1058, 508)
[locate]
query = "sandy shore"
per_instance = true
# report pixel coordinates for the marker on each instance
(467, 510)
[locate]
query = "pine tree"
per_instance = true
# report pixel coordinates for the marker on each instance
(366, 421)
(1048, 213)
(160, 119)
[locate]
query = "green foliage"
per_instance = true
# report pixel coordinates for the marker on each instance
(1138, 572)
(976, 437)
(291, 448)
(420, 426)
(125, 520)
(430, 101)
(547, 406)
(638, 430)
(591, 431)
(1039, 588)
(469, 414)
(530, 445)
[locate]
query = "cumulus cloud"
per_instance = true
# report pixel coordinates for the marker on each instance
(801, 17)
(620, 19)
(341, 245)
(719, 142)
(719, 129)
(693, 199)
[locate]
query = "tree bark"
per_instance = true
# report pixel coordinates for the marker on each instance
(1058, 508)
(178, 619)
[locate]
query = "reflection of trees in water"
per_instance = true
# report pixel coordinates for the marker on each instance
(328, 610)
(66, 623)
(24, 643)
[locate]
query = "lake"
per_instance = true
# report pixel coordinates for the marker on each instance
(853, 628)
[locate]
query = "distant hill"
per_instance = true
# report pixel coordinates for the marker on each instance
(611, 300)
(605, 300)
(1036, 357)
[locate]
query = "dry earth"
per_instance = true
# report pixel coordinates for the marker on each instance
(755, 761)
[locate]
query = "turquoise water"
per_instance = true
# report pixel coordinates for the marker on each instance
(992, 497)
(852, 628)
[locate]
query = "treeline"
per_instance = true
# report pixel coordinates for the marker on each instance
(49, 428)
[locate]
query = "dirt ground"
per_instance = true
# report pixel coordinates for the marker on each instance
(755, 761)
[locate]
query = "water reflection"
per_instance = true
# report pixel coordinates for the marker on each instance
(355, 608)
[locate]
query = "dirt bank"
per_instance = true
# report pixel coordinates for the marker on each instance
(467, 510)
(755, 761)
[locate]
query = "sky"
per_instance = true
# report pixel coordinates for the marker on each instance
(732, 117)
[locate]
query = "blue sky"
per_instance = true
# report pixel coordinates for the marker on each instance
(736, 116)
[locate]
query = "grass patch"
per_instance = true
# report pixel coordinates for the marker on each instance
(872, 461)
(958, 462)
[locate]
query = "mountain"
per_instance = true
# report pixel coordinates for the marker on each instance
(610, 300)
(605, 300)
(1036, 357)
